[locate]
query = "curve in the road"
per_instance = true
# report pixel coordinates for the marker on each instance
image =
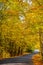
(21, 59)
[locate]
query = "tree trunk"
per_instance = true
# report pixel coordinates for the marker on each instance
(41, 42)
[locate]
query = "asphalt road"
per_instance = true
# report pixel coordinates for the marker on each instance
(21, 60)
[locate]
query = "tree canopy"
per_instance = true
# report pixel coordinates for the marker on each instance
(20, 21)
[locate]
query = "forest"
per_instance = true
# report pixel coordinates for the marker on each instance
(20, 24)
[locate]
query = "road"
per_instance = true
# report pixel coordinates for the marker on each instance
(21, 60)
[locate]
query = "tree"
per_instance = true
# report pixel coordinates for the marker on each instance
(19, 23)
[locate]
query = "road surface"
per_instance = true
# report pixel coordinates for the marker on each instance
(21, 60)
